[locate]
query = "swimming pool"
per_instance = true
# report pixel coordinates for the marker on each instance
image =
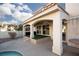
(10, 53)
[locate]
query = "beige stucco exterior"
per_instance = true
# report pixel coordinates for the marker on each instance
(72, 9)
(72, 29)
(72, 23)
(55, 14)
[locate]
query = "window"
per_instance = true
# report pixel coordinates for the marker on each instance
(38, 29)
(46, 29)
(43, 29)
(27, 28)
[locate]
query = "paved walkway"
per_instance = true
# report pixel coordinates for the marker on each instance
(26, 48)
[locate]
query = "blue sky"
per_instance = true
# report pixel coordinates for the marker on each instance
(35, 6)
(17, 12)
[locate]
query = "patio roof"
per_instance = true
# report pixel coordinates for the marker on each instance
(42, 9)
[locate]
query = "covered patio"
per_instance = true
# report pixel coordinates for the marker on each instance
(48, 21)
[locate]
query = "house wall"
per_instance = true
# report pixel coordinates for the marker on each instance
(6, 35)
(72, 8)
(73, 29)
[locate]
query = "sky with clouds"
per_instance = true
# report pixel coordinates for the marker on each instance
(17, 12)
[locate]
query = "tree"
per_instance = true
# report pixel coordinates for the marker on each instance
(19, 27)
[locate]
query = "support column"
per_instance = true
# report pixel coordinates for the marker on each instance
(41, 30)
(23, 30)
(31, 31)
(51, 30)
(57, 47)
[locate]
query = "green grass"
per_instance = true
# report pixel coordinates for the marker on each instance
(36, 37)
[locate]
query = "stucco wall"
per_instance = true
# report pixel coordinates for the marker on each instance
(6, 35)
(57, 34)
(72, 9)
(73, 29)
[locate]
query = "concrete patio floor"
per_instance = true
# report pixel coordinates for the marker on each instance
(27, 48)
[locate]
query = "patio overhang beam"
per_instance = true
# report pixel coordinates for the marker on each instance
(53, 11)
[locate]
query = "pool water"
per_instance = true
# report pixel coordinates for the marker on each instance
(10, 53)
